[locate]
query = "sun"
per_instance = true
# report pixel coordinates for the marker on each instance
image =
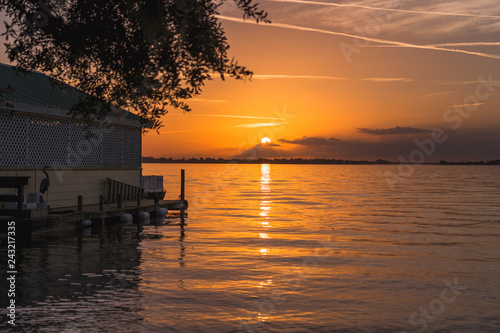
(265, 140)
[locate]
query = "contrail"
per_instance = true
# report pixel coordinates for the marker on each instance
(260, 125)
(462, 105)
(387, 9)
(388, 79)
(205, 100)
(278, 76)
(466, 44)
(448, 44)
(255, 125)
(370, 39)
(199, 130)
(233, 116)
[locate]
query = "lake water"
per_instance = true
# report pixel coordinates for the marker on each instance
(280, 248)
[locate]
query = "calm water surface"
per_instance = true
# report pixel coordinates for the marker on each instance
(280, 248)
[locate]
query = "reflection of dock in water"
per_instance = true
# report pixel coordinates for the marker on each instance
(87, 279)
(70, 279)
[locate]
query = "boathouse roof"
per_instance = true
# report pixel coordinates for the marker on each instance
(34, 93)
(37, 130)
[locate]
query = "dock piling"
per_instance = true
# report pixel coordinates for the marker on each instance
(183, 182)
(80, 203)
(119, 200)
(183, 179)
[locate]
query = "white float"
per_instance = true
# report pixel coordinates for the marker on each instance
(143, 215)
(126, 218)
(86, 223)
(161, 212)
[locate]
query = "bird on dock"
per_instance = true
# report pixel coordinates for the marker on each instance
(45, 183)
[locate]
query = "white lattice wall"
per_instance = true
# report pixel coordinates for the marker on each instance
(30, 140)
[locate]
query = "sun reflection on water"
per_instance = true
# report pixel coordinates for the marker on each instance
(265, 202)
(264, 251)
(265, 178)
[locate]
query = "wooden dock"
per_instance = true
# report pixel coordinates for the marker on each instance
(71, 217)
(120, 201)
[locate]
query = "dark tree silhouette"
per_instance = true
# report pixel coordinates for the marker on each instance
(144, 56)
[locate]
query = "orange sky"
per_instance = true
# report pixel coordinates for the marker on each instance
(302, 73)
(373, 96)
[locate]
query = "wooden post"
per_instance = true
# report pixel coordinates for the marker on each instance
(101, 202)
(183, 179)
(119, 200)
(138, 198)
(20, 201)
(114, 191)
(18, 183)
(80, 203)
(108, 188)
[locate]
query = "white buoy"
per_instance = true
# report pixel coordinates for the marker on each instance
(161, 212)
(87, 232)
(143, 215)
(86, 223)
(126, 218)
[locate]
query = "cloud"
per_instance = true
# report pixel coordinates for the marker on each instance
(260, 125)
(388, 79)
(393, 131)
(254, 125)
(456, 147)
(311, 141)
(279, 76)
(233, 116)
(466, 105)
(359, 37)
(388, 9)
(466, 44)
(270, 144)
(264, 151)
(205, 100)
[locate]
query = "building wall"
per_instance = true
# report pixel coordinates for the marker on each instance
(78, 156)
(30, 140)
(67, 183)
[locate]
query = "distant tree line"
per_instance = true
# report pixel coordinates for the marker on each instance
(149, 159)
(492, 162)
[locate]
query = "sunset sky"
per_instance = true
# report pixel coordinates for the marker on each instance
(352, 80)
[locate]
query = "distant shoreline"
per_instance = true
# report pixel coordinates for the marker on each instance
(316, 161)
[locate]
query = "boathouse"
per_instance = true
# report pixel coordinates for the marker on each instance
(37, 132)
